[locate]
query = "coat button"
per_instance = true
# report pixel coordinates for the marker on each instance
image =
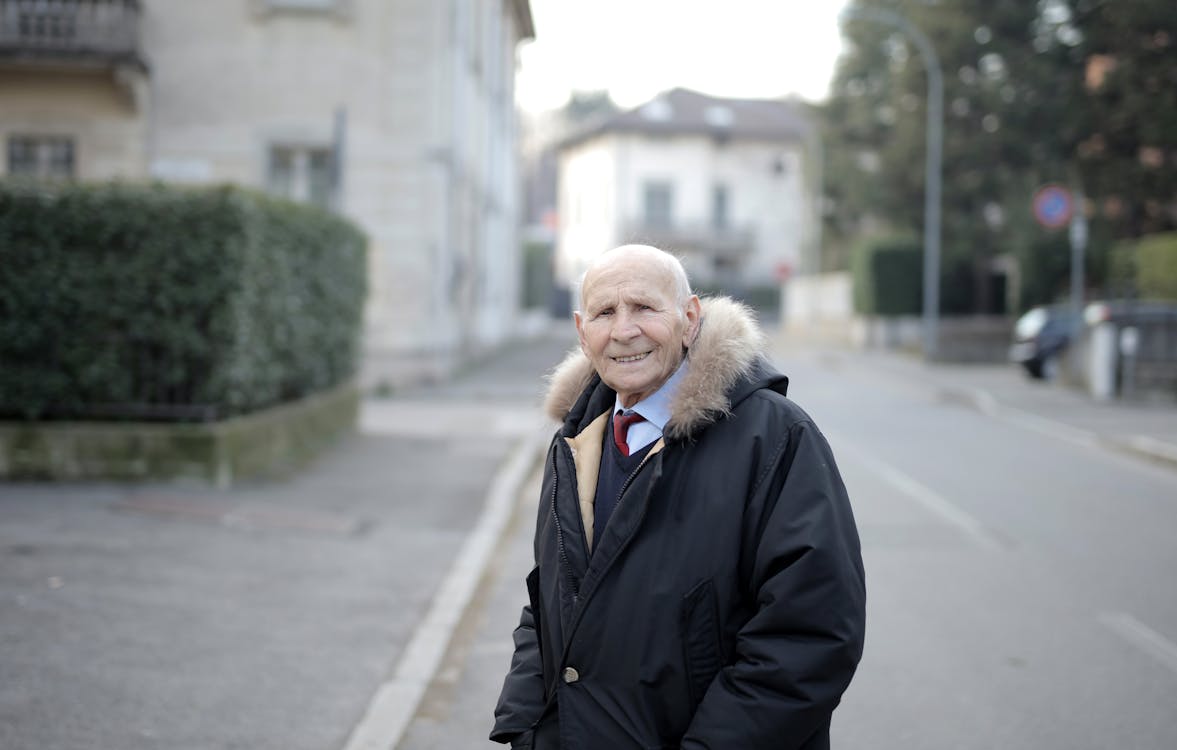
(571, 675)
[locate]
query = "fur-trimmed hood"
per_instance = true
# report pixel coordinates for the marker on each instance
(725, 351)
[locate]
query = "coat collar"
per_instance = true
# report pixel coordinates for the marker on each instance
(725, 351)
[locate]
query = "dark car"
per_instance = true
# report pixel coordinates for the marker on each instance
(1042, 335)
(1040, 338)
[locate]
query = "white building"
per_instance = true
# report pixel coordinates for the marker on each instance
(722, 183)
(398, 113)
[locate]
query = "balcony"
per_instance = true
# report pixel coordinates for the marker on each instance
(715, 256)
(726, 242)
(70, 33)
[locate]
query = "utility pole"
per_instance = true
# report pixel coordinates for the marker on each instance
(934, 145)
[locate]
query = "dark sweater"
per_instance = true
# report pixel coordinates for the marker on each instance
(615, 469)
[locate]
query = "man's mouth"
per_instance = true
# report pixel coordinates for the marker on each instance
(631, 358)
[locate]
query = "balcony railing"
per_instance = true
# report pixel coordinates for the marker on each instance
(731, 242)
(104, 31)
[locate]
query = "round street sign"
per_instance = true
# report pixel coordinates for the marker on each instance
(1053, 206)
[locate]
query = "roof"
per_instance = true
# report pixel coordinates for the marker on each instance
(685, 112)
(522, 10)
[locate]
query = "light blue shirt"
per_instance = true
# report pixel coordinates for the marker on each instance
(656, 410)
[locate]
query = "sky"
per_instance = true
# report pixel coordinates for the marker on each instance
(638, 48)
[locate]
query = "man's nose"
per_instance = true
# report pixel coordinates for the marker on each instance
(625, 326)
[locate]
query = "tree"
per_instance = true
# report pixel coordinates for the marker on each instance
(1009, 126)
(1127, 156)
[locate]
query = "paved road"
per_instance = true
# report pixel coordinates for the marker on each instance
(1020, 582)
(1019, 574)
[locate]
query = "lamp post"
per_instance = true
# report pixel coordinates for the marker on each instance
(934, 138)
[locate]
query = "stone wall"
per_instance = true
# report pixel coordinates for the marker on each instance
(265, 443)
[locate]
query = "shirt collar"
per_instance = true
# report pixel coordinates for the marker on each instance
(656, 407)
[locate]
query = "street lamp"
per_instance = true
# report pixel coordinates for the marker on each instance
(934, 146)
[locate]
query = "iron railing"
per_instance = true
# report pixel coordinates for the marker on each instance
(84, 30)
(732, 242)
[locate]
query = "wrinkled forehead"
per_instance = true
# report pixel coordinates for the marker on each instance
(628, 279)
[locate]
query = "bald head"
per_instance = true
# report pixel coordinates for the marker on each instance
(637, 319)
(650, 258)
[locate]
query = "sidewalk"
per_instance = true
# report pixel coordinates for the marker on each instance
(273, 614)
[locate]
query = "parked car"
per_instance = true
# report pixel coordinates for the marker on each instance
(1042, 335)
(1040, 338)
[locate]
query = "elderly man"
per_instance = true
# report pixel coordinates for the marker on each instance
(698, 578)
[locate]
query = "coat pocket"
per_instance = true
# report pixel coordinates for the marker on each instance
(702, 653)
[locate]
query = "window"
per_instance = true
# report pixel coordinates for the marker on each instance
(719, 207)
(780, 165)
(302, 173)
(41, 157)
(658, 204)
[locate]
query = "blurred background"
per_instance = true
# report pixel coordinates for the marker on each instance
(271, 271)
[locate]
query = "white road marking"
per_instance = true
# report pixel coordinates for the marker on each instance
(395, 702)
(932, 501)
(1142, 637)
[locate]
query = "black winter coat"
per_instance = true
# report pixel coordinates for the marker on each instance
(723, 607)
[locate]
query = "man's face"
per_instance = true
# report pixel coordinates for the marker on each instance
(633, 327)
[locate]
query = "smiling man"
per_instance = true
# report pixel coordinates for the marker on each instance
(698, 579)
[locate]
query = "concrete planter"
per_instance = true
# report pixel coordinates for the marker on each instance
(264, 443)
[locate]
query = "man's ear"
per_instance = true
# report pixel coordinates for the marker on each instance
(580, 331)
(694, 312)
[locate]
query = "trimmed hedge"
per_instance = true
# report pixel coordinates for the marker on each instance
(145, 301)
(1156, 266)
(888, 276)
(763, 298)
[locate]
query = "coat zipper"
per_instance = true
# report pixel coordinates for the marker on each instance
(560, 534)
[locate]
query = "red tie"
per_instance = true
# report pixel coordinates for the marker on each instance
(621, 423)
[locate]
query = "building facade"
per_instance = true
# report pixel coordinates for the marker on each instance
(722, 183)
(397, 113)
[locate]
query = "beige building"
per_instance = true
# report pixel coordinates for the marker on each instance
(726, 184)
(398, 113)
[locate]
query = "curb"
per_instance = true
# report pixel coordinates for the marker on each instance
(1147, 447)
(1140, 446)
(395, 702)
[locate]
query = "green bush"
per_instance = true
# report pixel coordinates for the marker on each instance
(763, 298)
(537, 274)
(888, 276)
(1121, 269)
(1156, 266)
(137, 301)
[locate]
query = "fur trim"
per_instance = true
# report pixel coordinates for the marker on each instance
(566, 383)
(724, 351)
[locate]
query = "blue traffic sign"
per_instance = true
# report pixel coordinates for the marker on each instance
(1053, 206)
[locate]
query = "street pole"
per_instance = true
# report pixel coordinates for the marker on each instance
(815, 147)
(817, 186)
(1077, 232)
(338, 155)
(934, 145)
